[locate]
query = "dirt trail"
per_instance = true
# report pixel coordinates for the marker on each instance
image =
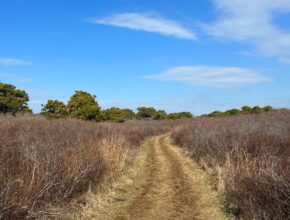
(162, 183)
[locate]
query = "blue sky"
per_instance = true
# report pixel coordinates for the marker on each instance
(197, 56)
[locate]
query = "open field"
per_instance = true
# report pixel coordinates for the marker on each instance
(226, 167)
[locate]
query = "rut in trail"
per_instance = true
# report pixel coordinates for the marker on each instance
(161, 184)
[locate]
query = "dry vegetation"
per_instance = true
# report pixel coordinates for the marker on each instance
(51, 162)
(250, 155)
(44, 163)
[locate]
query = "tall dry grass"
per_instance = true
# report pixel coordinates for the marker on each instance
(49, 162)
(250, 155)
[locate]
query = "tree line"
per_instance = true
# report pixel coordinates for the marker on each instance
(244, 110)
(81, 105)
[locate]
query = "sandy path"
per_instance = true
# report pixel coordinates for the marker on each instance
(163, 183)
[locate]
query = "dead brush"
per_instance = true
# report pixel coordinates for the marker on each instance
(251, 157)
(51, 162)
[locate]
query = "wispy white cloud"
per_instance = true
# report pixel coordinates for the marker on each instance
(247, 53)
(15, 78)
(149, 23)
(253, 22)
(14, 62)
(25, 80)
(211, 76)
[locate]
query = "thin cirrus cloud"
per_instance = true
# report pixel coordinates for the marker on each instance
(211, 76)
(148, 23)
(253, 22)
(14, 62)
(15, 78)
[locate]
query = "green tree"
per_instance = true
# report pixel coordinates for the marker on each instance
(114, 115)
(13, 100)
(54, 109)
(216, 114)
(256, 110)
(268, 108)
(233, 112)
(129, 114)
(102, 116)
(160, 115)
(246, 109)
(146, 112)
(172, 116)
(180, 115)
(83, 105)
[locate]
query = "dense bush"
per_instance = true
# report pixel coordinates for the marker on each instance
(180, 115)
(13, 100)
(250, 155)
(44, 162)
(116, 115)
(54, 109)
(243, 111)
(146, 112)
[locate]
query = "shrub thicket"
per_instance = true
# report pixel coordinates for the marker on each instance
(116, 115)
(54, 109)
(180, 115)
(243, 111)
(250, 155)
(49, 162)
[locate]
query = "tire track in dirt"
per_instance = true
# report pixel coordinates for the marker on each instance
(146, 200)
(162, 183)
(184, 197)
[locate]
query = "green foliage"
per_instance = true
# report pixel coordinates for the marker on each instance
(216, 114)
(172, 116)
(146, 112)
(160, 115)
(54, 109)
(244, 110)
(114, 115)
(256, 110)
(83, 105)
(13, 100)
(233, 112)
(129, 114)
(102, 116)
(180, 115)
(151, 113)
(268, 108)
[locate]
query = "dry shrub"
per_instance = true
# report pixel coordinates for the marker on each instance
(48, 162)
(250, 155)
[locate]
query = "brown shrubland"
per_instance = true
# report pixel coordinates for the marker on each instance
(44, 163)
(250, 155)
(50, 162)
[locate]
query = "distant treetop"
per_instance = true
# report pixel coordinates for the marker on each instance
(244, 110)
